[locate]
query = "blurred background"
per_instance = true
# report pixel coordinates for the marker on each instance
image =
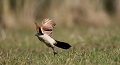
(91, 27)
(23, 13)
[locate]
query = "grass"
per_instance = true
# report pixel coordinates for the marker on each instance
(90, 45)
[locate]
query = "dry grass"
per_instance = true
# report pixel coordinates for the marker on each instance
(67, 13)
(79, 12)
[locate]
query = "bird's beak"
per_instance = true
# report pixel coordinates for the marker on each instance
(36, 34)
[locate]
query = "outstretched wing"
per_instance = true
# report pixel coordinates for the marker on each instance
(37, 27)
(47, 26)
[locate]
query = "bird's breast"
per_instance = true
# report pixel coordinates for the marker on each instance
(47, 40)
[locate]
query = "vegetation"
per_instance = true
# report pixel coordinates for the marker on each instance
(91, 46)
(23, 13)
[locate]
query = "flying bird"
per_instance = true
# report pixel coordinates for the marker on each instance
(44, 33)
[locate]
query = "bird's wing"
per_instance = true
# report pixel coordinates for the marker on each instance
(37, 27)
(47, 26)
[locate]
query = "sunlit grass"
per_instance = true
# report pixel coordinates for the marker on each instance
(90, 45)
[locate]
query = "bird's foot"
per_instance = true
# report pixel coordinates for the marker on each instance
(55, 53)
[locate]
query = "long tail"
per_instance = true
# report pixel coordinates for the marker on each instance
(62, 45)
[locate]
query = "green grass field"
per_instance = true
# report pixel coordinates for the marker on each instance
(90, 46)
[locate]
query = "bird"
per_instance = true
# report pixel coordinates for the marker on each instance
(44, 33)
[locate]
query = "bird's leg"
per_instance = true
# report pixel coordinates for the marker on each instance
(54, 51)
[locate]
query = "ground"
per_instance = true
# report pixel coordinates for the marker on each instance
(90, 45)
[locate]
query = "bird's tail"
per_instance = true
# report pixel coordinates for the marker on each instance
(62, 45)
